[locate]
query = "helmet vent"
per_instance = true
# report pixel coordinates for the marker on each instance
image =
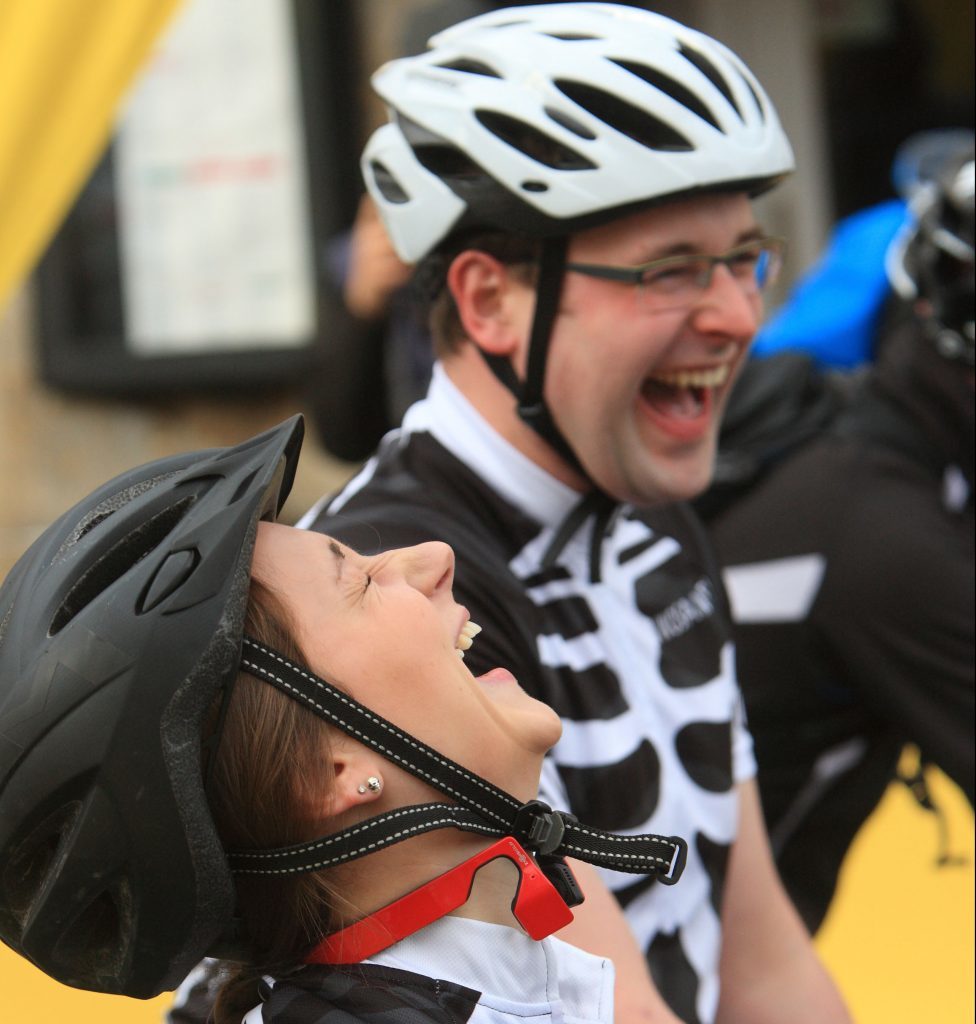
(625, 118)
(571, 37)
(117, 561)
(671, 87)
(758, 101)
(533, 143)
(470, 67)
(571, 124)
(390, 189)
(106, 508)
(447, 162)
(708, 69)
(92, 951)
(26, 870)
(243, 487)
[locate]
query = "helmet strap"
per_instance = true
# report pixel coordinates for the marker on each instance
(529, 393)
(478, 805)
(537, 905)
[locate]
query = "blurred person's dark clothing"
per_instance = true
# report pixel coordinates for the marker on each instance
(849, 562)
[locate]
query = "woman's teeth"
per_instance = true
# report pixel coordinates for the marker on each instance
(466, 637)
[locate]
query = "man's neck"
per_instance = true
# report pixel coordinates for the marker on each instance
(469, 373)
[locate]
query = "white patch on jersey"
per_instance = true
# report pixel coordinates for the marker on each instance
(779, 590)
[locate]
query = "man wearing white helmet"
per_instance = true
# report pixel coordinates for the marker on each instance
(574, 181)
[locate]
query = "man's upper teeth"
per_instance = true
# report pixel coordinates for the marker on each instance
(695, 378)
(468, 632)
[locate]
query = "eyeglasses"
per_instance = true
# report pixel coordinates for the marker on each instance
(677, 282)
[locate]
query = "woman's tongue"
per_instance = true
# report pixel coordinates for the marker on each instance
(672, 400)
(496, 675)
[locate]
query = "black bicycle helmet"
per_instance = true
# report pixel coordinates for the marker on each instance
(117, 629)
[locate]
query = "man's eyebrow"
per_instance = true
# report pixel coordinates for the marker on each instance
(750, 234)
(340, 557)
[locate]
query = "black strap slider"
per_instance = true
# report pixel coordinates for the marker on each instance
(539, 827)
(533, 413)
(672, 875)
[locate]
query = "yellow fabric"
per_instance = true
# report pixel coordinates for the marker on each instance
(64, 65)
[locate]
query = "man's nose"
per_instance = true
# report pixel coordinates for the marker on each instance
(726, 308)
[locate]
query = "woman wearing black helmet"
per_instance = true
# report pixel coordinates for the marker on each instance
(168, 787)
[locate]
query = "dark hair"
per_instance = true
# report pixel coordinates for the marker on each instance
(515, 251)
(272, 761)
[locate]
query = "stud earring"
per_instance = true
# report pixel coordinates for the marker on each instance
(373, 784)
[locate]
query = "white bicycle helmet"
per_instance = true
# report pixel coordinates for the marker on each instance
(553, 117)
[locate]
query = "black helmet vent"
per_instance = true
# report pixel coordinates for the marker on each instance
(470, 67)
(26, 869)
(105, 508)
(671, 87)
(92, 952)
(708, 69)
(117, 561)
(533, 143)
(243, 487)
(637, 124)
(391, 190)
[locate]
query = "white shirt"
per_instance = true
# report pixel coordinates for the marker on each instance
(547, 982)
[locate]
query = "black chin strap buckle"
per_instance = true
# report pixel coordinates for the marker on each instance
(539, 828)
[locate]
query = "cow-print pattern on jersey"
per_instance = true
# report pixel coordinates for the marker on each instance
(647, 646)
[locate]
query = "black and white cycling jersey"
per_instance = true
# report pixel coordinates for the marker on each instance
(615, 617)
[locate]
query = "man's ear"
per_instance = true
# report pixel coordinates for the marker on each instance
(492, 305)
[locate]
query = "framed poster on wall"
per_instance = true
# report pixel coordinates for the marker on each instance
(190, 260)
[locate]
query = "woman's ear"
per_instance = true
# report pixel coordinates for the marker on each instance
(358, 777)
(489, 302)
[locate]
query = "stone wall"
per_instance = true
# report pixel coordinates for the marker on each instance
(55, 449)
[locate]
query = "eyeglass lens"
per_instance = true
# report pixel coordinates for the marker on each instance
(682, 281)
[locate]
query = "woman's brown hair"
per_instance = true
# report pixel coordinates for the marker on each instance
(272, 765)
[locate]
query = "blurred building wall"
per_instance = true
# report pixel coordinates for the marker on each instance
(55, 449)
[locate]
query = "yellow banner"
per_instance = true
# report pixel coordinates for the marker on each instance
(64, 65)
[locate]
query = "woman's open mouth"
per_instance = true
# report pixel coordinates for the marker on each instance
(464, 642)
